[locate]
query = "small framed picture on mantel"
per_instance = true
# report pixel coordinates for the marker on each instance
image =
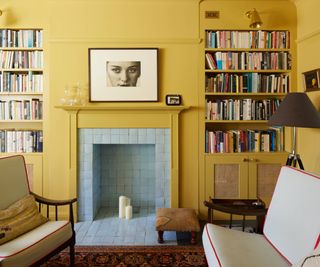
(311, 80)
(173, 100)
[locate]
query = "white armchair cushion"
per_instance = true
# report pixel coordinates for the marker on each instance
(291, 228)
(231, 248)
(292, 222)
(311, 260)
(35, 244)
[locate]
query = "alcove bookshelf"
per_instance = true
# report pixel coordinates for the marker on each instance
(21, 98)
(247, 74)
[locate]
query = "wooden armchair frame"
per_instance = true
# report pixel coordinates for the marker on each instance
(69, 243)
(38, 245)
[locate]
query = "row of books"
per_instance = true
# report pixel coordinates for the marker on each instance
(247, 83)
(236, 141)
(27, 109)
(241, 109)
(23, 141)
(248, 39)
(21, 59)
(248, 60)
(21, 83)
(20, 38)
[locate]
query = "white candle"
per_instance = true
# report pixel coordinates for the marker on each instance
(122, 206)
(128, 212)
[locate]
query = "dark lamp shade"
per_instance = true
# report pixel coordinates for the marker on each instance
(296, 110)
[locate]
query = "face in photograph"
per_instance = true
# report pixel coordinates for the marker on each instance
(123, 73)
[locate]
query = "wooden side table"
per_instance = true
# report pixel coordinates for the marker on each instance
(244, 207)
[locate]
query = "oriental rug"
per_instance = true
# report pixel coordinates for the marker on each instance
(129, 256)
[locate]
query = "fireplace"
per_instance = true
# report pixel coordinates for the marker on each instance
(133, 162)
(119, 118)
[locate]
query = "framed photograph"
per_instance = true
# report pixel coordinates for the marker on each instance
(173, 100)
(123, 74)
(311, 80)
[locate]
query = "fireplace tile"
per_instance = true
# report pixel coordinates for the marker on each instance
(115, 138)
(155, 164)
(97, 138)
(123, 139)
(106, 139)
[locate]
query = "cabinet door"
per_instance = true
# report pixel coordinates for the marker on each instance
(226, 176)
(263, 174)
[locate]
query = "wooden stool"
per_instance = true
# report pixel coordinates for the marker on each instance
(177, 219)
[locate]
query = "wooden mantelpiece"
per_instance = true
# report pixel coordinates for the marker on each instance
(137, 108)
(120, 116)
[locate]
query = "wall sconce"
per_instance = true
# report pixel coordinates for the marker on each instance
(255, 20)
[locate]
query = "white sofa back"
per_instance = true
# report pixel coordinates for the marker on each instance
(292, 223)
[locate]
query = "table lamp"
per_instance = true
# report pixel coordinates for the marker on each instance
(296, 110)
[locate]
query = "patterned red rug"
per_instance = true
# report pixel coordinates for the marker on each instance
(125, 256)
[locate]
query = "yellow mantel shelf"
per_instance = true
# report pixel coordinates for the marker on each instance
(124, 108)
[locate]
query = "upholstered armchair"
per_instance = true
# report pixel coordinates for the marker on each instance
(27, 237)
(291, 232)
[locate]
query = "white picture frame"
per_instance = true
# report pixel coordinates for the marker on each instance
(123, 74)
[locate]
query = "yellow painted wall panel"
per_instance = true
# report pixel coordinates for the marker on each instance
(124, 19)
(123, 120)
(308, 43)
(23, 14)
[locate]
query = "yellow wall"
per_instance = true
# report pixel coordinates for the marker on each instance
(173, 26)
(308, 45)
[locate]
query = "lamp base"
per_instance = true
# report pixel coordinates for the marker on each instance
(293, 159)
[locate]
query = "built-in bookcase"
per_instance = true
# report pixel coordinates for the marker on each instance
(21, 99)
(247, 73)
(21, 90)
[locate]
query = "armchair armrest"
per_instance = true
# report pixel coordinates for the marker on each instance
(51, 202)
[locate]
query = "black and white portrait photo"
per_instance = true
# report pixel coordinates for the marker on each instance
(123, 73)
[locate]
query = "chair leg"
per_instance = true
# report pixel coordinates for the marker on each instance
(193, 237)
(72, 255)
(160, 237)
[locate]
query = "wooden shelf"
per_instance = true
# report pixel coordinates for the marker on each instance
(247, 49)
(247, 71)
(21, 48)
(246, 94)
(20, 153)
(21, 70)
(21, 93)
(236, 121)
(21, 121)
(125, 107)
(276, 153)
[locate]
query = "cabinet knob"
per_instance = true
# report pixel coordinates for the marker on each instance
(253, 160)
